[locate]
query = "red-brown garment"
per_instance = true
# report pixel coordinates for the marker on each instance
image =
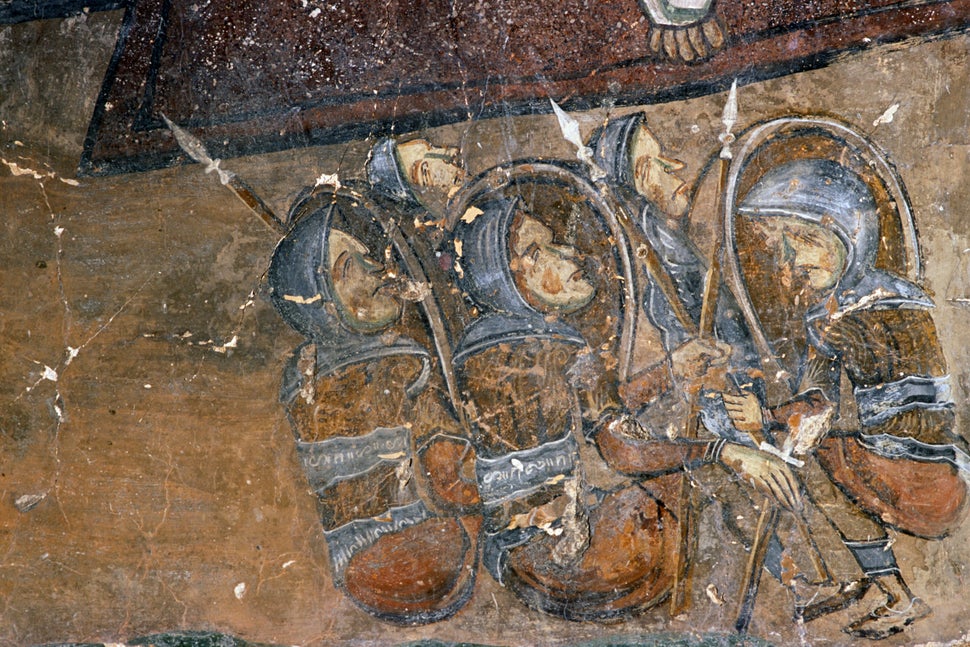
(875, 347)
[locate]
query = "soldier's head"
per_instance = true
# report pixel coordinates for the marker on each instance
(428, 166)
(816, 222)
(807, 256)
(548, 274)
(627, 150)
(655, 174)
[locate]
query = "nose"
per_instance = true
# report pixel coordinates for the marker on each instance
(670, 164)
(370, 265)
(562, 251)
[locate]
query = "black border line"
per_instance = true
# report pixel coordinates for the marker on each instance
(249, 145)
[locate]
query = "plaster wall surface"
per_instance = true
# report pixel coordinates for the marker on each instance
(148, 480)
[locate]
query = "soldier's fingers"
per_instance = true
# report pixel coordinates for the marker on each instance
(778, 492)
(788, 488)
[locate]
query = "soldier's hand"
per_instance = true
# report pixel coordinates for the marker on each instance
(764, 472)
(745, 411)
(699, 361)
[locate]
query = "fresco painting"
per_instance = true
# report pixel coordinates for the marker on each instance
(563, 392)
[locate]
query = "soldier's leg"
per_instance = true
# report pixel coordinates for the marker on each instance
(866, 539)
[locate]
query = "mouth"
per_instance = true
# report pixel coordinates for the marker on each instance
(390, 288)
(576, 277)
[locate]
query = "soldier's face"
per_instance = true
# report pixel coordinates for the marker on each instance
(655, 176)
(808, 257)
(365, 293)
(547, 274)
(432, 166)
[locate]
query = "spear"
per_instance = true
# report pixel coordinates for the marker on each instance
(705, 330)
(195, 149)
(768, 519)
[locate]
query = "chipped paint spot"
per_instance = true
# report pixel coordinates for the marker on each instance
(240, 590)
(470, 214)
(328, 179)
(27, 502)
(296, 298)
(232, 343)
(887, 117)
(713, 595)
(18, 170)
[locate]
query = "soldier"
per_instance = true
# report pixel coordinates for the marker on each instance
(808, 234)
(566, 534)
(413, 181)
(366, 399)
(646, 179)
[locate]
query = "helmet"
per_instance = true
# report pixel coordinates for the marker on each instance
(825, 193)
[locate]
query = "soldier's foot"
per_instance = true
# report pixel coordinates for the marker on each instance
(418, 575)
(888, 619)
(815, 600)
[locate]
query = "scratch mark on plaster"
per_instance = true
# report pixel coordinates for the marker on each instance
(250, 301)
(282, 568)
(959, 642)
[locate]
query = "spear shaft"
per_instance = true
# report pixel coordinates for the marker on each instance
(705, 330)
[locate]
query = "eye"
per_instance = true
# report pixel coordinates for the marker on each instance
(642, 167)
(342, 266)
(370, 264)
(532, 253)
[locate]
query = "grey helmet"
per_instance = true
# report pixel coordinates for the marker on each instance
(611, 144)
(384, 173)
(487, 279)
(302, 292)
(826, 193)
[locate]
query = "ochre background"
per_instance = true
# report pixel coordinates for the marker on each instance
(166, 466)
